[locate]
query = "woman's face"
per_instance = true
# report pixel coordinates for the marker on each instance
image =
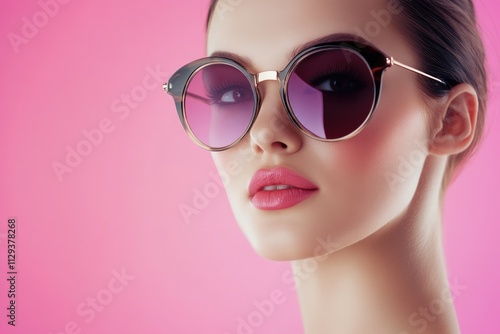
(355, 187)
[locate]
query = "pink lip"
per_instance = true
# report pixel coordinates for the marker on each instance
(298, 189)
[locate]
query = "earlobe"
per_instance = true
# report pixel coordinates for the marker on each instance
(458, 125)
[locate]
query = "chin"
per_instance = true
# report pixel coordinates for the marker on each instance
(297, 235)
(290, 240)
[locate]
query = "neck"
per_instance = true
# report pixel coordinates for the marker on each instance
(392, 282)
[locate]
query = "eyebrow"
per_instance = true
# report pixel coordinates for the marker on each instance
(245, 61)
(336, 37)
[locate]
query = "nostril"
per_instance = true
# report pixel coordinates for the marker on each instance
(280, 145)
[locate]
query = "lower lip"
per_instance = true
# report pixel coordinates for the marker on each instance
(280, 199)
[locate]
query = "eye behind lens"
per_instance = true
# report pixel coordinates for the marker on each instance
(219, 105)
(339, 83)
(331, 93)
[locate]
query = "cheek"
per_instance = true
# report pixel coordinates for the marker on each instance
(232, 166)
(394, 144)
(374, 176)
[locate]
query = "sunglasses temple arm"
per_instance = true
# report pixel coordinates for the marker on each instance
(395, 62)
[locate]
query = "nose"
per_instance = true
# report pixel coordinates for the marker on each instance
(273, 131)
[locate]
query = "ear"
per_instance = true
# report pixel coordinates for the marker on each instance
(458, 125)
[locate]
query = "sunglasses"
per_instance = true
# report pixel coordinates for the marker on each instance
(329, 91)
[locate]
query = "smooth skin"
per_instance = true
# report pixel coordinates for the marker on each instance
(379, 200)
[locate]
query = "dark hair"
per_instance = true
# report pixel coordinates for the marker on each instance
(447, 42)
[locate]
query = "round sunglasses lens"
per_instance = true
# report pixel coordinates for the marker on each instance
(332, 93)
(219, 105)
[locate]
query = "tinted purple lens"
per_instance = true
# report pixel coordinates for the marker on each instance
(219, 105)
(332, 93)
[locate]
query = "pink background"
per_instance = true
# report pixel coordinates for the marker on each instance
(118, 209)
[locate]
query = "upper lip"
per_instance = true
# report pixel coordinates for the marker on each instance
(278, 176)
